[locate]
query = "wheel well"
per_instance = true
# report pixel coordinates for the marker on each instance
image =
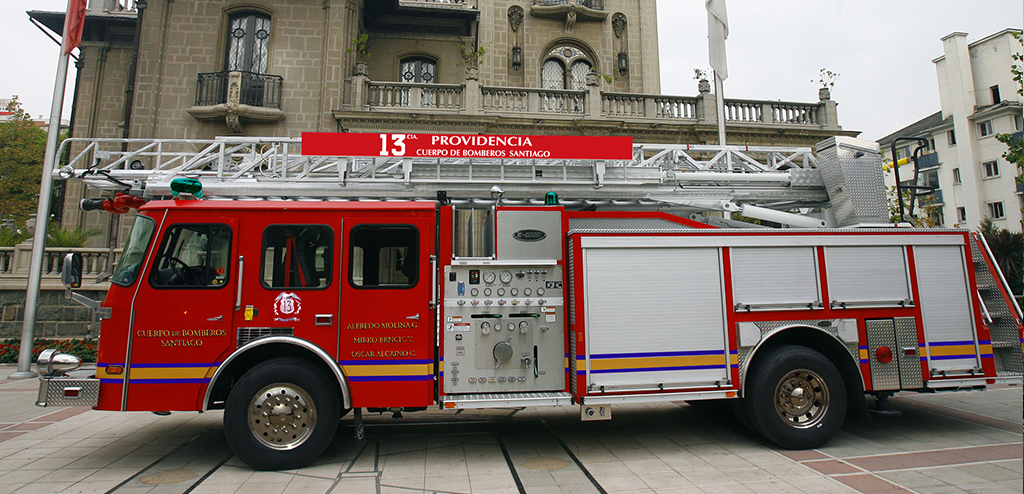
(833, 350)
(256, 355)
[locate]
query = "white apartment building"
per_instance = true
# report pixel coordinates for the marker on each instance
(978, 99)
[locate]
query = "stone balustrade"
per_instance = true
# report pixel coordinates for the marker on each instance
(473, 98)
(15, 262)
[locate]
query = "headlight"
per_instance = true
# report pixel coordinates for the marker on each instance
(53, 363)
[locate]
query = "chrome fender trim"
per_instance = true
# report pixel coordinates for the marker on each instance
(745, 367)
(342, 382)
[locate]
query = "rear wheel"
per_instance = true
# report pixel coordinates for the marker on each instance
(795, 397)
(280, 415)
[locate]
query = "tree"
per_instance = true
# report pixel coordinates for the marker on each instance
(1008, 250)
(22, 147)
(1015, 145)
(924, 206)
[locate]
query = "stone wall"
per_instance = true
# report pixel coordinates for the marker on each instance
(56, 317)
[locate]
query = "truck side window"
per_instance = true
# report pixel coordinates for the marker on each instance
(134, 253)
(297, 256)
(384, 256)
(193, 256)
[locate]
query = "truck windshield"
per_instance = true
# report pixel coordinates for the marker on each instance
(134, 253)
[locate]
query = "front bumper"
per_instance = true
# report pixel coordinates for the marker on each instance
(68, 392)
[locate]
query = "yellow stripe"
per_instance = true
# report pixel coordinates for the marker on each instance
(734, 359)
(941, 351)
(864, 354)
(389, 370)
(169, 373)
(639, 363)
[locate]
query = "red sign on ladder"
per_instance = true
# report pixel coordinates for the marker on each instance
(467, 146)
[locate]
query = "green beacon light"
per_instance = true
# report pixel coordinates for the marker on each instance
(551, 199)
(187, 186)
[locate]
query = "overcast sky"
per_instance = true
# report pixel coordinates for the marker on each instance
(882, 48)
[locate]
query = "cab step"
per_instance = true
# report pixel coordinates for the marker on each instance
(506, 400)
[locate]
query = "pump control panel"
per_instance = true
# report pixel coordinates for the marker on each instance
(503, 327)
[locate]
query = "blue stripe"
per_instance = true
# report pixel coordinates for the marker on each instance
(862, 347)
(950, 343)
(389, 378)
(985, 342)
(733, 352)
(101, 364)
(170, 381)
(652, 369)
(656, 354)
(386, 362)
(865, 361)
(954, 357)
(153, 366)
(104, 380)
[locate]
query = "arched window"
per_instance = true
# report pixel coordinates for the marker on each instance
(554, 74)
(248, 42)
(418, 69)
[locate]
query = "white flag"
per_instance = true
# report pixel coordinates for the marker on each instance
(718, 31)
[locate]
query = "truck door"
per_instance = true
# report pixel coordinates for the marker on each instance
(182, 315)
(387, 336)
(289, 279)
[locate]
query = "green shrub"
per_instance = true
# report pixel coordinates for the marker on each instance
(82, 348)
(68, 237)
(10, 237)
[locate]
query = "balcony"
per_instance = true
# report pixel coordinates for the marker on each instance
(237, 96)
(573, 111)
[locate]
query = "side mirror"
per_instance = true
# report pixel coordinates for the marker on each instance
(71, 275)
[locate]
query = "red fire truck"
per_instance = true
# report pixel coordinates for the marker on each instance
(289, 288)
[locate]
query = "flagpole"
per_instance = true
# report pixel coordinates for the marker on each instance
(42, 215)
(720, 103)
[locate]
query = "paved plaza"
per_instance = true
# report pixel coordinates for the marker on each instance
(948, 443)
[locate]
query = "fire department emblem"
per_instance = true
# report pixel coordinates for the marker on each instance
(287, 305)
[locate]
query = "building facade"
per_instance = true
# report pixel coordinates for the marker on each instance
(207, 68)
(978, 99)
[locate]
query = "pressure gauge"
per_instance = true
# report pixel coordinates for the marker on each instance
(511, 326)
(501, 292)
(488, 277)
(514, 292)
(487, 292)
(474, 292)
(527, 292)
(506, 276)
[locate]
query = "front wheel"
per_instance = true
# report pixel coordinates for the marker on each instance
(795, 397)
(281, 414)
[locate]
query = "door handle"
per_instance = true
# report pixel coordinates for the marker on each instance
(323, 319)
(414, 317)
(217, 319)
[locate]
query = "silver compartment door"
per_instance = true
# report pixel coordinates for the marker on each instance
(946, 309)
(654, 316)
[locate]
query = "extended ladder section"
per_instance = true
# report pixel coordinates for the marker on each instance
(684, 177)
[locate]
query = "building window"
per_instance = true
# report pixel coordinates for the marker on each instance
(995, 210)
(956, 176)
(961, 214)
(565, 67)
(937, 217)
(418, 69)
(930, 178)
(951, 137)
(984, 129)
(995, 94)
(1017, 123)
(248, 42)
(990, 169)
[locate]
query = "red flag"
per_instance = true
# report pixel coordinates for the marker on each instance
(74, 24)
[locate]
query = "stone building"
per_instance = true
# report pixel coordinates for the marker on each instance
(206, 68)
(277, 68)
(978, 99)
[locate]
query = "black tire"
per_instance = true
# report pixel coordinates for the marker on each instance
(795, 397)
(282, 414)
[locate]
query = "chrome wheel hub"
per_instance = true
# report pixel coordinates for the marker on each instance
(801, 399)
(282, 416)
